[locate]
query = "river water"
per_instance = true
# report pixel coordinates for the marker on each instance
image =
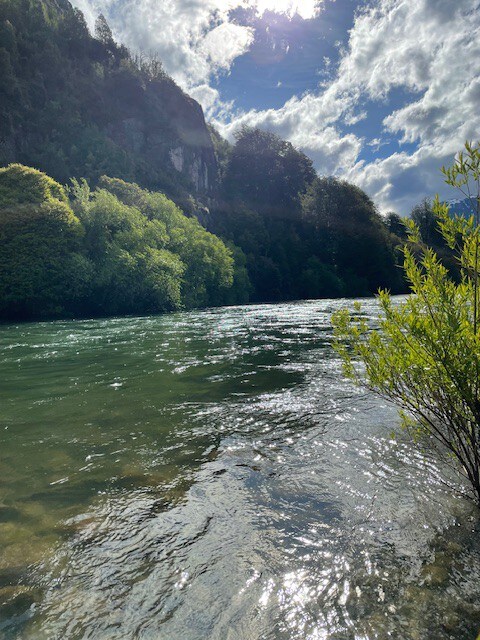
(211, 476)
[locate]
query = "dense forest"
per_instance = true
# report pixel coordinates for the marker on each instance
(303, 236)
(74, 105)
(116, 250)
(185, 218)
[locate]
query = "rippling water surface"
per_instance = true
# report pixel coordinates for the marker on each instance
(210, 476)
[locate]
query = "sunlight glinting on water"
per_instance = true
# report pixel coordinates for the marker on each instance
(212, 475)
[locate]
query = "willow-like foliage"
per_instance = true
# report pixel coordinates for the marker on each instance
(425, 355)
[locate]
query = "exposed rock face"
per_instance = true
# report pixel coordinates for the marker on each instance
(195, 165)
(194, 156)
(176, 156)
(167, 128)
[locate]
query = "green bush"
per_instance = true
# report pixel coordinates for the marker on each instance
(124, 250)
(40, 241)
(425, 357)
(208, 262)
(133, 272)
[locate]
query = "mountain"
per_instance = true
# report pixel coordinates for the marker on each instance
(465, 207)
(74, 105)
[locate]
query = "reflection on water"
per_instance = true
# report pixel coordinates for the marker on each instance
(209, 475)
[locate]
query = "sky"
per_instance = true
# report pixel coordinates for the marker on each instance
(379, 92)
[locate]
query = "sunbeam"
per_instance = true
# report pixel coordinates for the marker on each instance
(306, 9)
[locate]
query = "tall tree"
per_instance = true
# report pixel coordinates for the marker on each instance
(268, 173)
(103, 31)
(424, 217)
(41, 269)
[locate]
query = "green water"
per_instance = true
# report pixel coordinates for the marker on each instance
(209, 475)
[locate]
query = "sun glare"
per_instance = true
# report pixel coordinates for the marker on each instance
(304, 8)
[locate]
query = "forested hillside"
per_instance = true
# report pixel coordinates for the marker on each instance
(74, 105)
(79, 107)
(116, 250)
(302, 236)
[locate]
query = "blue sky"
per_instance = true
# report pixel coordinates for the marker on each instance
(380, 92)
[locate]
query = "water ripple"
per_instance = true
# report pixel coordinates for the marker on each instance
(211, 475)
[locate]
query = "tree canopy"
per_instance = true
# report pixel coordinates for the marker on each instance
(267, 172)
(114, 250)
(40, 241)
(303, 236)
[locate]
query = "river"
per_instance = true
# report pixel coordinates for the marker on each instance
(210, 475)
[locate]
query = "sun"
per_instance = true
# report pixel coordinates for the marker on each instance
(306, 9)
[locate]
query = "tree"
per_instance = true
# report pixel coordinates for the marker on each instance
(103, 31)
(41, 269)
(148, 255)
(351, 235)
(122, 250)
(267, 172)
(396, 225)
(425, 357)
(424, 217)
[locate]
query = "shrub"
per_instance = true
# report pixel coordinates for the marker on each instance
(39, 239)
(425, 357)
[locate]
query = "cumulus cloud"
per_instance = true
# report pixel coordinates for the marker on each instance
(306, 9)
(223, 44)
(427, 49)
(309, 123)
(194, 38)
(211, 102)
(433, 48)
(401, 180)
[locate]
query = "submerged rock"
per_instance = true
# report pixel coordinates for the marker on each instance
(16, 599)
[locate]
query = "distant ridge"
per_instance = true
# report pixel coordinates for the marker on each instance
(465, 207)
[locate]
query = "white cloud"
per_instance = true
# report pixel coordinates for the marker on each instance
(194, 38)
(206, 96)
(223, 44)
(304, 8)
(309, 123)
(210, 100)
(431, 49)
